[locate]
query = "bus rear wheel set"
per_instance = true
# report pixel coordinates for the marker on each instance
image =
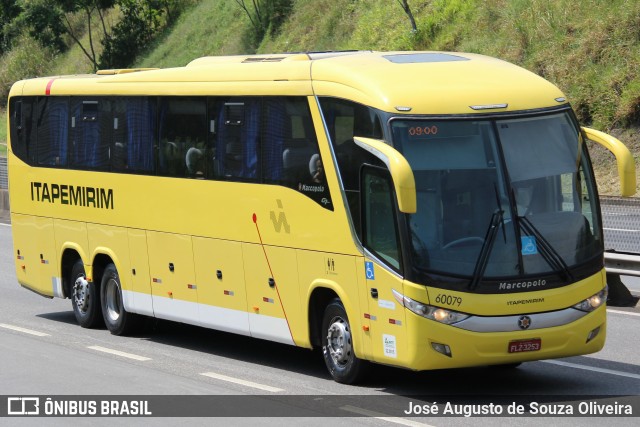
(93, 305)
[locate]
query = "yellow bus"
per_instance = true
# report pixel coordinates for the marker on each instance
(423, 210)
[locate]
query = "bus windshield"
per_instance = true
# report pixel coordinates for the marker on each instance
(500, 198)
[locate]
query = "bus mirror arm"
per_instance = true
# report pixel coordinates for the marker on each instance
(624, 158)
(401, 173)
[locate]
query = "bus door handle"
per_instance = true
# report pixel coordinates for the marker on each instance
(374, 293)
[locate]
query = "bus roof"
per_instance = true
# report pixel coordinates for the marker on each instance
(398, 82)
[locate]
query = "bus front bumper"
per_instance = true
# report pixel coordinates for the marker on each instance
(430, 341)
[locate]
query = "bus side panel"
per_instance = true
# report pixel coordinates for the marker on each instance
(266, 316)
(222, 296)
(36, 258)
(174, 290)
(73, 235)
(388, 328)
(337, 273)
(139, 283)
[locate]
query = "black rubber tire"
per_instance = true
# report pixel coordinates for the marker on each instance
(350, 369)
(85, 301)
(116, 318)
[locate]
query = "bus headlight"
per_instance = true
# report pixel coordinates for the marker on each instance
(438, 314)
(593, 302)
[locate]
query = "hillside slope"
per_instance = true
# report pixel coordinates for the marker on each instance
(590, 49)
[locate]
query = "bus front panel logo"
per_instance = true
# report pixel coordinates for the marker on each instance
(524, 322)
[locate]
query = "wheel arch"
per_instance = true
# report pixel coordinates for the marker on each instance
(100, 262)
(321, 293)
(70, 254)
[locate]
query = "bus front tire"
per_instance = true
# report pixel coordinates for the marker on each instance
(85, 298)
(116, 318)
(337, 346)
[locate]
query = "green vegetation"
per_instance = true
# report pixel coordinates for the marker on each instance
(588, 48)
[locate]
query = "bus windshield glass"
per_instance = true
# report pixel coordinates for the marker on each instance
(500, 198)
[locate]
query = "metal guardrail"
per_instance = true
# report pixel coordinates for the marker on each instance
(4, 178)
(621, 223)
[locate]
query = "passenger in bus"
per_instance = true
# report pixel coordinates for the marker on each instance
(315, 168)
(194, 160)
(315, 186)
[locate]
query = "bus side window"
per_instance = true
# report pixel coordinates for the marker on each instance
(379, 220)
(90, 143)
(53, 131)
(290, 152)
(237, 138)
(183, 132)
(21, 129)
(134, 133)
(344, 120)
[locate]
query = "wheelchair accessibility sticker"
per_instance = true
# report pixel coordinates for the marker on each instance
(529, 246)
(368, 268)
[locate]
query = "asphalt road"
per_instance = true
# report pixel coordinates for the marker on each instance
(43, 352)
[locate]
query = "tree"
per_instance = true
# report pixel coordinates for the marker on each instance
(9, 11)
(140, 22)
(89, 7)
(49, 21)
(407, 10)
(266, 16)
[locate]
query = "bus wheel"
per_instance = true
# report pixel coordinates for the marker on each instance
(118, 321)
(85, 298)
(337, 345)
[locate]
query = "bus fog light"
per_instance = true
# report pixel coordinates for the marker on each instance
(593, 334)
(441, 348)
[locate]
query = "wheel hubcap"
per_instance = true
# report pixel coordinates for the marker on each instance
(81, 293)
(339, 341)
(113, 301)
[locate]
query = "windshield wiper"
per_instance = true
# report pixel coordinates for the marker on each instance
(485, 251)
(547, 251)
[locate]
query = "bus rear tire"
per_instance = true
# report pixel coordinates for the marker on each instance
(337, 346)
(116, 318)
(85, 298)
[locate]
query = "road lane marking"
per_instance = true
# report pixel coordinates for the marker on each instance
(628, 313)
(383, 417)
(242, 382)
(6, 225)
(119, 353)
(592, 368)
(24, 330)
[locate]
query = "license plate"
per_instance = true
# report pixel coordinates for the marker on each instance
(520, 346)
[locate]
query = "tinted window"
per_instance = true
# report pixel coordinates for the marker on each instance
(23, 142)
(90, 142)
(344, 120)
(183, 136)
(53, 131)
